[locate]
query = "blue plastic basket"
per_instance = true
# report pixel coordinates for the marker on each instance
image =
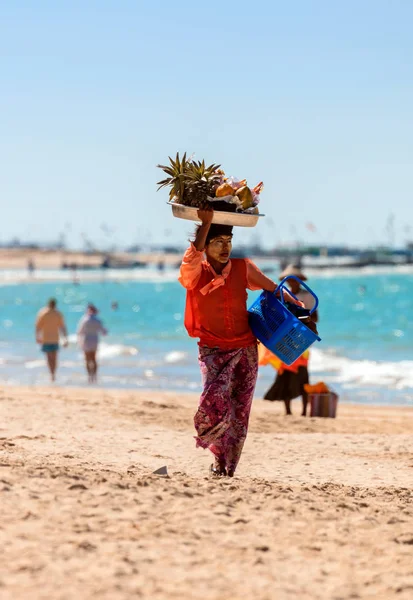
(277, 328)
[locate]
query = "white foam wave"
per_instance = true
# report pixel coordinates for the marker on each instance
(106, 350)
(34, 364)
(175, 356)
(113, 350)
(150, 274)
(354, 373)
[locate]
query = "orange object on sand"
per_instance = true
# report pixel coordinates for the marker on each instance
(318, 388)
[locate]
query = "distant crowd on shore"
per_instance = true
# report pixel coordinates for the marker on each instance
(106, 263)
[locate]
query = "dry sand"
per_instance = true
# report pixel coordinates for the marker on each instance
(319, 508)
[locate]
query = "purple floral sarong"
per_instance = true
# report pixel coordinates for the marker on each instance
(221, 422)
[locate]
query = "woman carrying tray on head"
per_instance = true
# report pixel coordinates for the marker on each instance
(216, 313)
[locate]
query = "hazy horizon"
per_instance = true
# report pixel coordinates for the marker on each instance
(314, 98)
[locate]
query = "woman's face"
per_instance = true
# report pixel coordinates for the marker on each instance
(219, 248)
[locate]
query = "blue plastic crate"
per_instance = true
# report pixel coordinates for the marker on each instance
(277, 328)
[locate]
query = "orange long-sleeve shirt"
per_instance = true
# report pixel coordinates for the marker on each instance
(216, 305)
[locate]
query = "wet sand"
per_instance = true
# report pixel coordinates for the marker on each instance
(319, 508)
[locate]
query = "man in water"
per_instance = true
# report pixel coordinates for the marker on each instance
(49, 325)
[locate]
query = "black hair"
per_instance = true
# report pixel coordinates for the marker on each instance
(215, 230)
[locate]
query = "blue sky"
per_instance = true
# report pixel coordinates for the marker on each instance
(313, 97)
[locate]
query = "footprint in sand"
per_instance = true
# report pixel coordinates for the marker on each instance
(404, 538)
(77, 486)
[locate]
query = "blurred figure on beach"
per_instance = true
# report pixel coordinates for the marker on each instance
(75, 279)
(89, 329)
(50, 325)
(30, 267)
(291, 379)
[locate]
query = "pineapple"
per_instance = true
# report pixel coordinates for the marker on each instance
(200, 181)
(176, 180)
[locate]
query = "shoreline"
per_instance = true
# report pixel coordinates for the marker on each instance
(169, 274)
(15, 258)
(133, 388)
(153, 266)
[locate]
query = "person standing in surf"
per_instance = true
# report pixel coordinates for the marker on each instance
(50, 325)
(216, 313)
(89, 329)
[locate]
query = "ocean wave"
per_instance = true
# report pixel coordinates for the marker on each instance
(106, 350)
(175, 356)
(34, 364)
(151, 275)
(113, 350)
(355, 373)
(158, 364)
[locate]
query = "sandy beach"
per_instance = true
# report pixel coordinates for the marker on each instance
(319, 508)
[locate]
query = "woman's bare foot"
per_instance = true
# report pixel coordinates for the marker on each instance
(218, 468)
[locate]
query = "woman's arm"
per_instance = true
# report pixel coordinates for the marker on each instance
(201, 235)
(191, 267)
(38, 329)
(63, 331)
(256, 280)
(102, 329)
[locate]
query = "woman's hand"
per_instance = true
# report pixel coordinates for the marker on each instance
(288, 298)
(205, 214)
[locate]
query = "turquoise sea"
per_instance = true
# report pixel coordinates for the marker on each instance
(366, 352)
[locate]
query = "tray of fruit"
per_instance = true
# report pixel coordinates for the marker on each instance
(220, 216)
(194, 185)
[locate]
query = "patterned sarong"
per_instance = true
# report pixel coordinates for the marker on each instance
(229, 378)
